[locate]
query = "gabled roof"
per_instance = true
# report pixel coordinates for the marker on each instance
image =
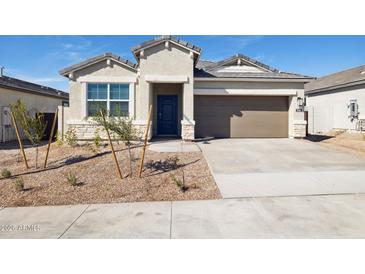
(244, 58)
(24, 86)
(210, 69)
(164, 38)
(93, 60)
(201, 73)
(340, 79)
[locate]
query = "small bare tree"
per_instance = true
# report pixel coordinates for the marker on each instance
(124, 129)
(121, 126)
(33, 127)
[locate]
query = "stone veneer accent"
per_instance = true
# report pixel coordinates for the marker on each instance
(299, 129)
(141, 128)
(187, 130)
(87, 130)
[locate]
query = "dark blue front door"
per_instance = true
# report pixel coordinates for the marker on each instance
(167, 114)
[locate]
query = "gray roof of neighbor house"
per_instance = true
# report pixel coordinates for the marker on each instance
(340, 79)
(158, 40)
(20, 85)
(210, 69)
(96, 59)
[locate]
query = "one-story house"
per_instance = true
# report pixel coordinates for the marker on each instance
(191, 98)
(336, 101)
(37, 98)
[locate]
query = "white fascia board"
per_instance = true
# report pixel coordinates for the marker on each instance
(167, 79)
(163, 41)
(252, 92)
(107, 79)
(211, 79)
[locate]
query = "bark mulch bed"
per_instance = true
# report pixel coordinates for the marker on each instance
(97, 178)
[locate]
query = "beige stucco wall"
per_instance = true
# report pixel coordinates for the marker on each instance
(161, 61)
(296, 123)
(34, 102)
(163, 69)
(101, 72)
(249, 85)
(327, 111)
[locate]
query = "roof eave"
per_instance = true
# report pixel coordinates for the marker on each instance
(20, 89)
(252, 79)
(329, 88)
(246, 59)
(137, 50)
(66, 71)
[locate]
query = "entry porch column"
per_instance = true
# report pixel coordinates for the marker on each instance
(188, 123)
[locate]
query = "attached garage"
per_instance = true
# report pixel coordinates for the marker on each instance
(241, 116)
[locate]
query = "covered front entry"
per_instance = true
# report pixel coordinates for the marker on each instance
(167, 115)
(241, 116)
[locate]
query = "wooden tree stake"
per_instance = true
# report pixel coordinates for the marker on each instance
(145, 141)
(51, 137)
(111, 145)
(19, 140)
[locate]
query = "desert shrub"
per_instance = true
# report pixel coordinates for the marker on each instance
(5, 173)
(71, 179)
(97, 139)
(179, 183)
(71, 138)
(59, 141)
(19, 184)
(34, 126)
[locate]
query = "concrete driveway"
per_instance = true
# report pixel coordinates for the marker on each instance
(281, 167)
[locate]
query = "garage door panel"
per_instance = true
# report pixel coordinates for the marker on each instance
(241, 116)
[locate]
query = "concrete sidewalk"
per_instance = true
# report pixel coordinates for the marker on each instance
(327, 216)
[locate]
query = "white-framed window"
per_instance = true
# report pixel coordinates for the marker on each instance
(113, 97)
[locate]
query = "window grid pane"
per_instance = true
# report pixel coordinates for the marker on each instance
(97, 91)
(119, 108)
(117, 102)
(94, 107)
(102, 91)
(124, 92)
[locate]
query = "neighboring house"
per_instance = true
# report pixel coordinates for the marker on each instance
(36, 97)
(191, 98)
(336, 101)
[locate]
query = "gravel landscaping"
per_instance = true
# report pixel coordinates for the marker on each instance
(347, 142)
(97, 181)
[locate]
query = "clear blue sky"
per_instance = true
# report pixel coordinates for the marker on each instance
(39, 58)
